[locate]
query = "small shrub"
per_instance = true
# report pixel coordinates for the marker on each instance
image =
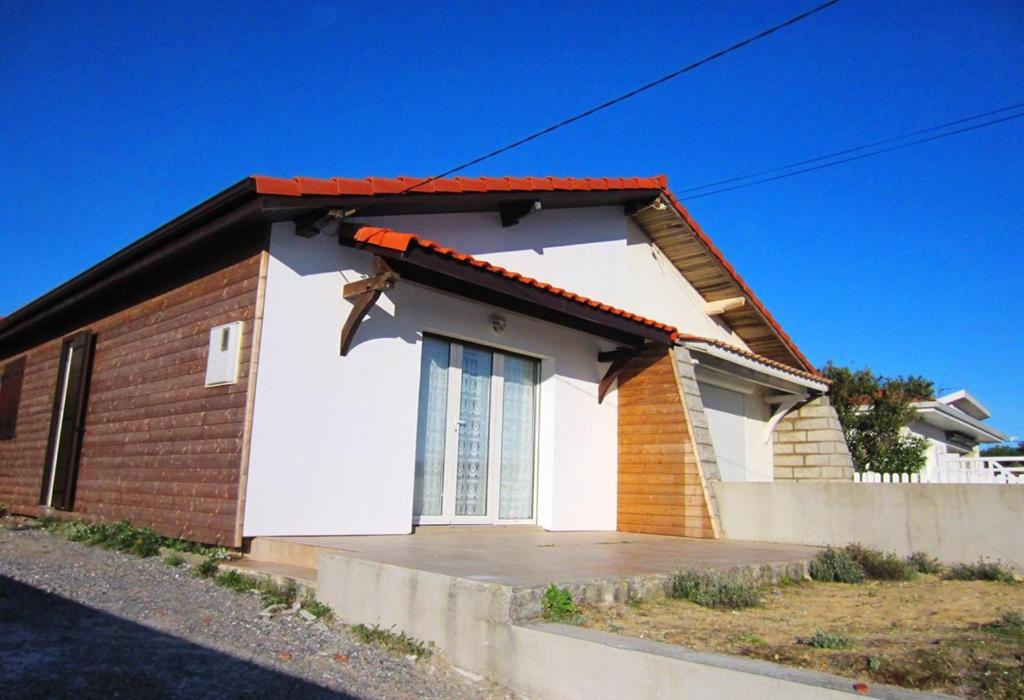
(174, 560)
(884, 566)
(207, 568)
(836, 566)
(981, 570)
(924, 563)
(714, 590)
(398, 642)
(827, 640)
(1010, 626)
(235, 581)
(557, 605)
(48, 522)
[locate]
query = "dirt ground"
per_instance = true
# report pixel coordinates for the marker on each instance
(925, 634)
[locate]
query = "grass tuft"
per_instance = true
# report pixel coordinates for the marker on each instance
(981, 570)
(712, 589)
(388, 638)
(827, 640)
(174, 560)
(207, 568)
(836, 566)
(1009, 626)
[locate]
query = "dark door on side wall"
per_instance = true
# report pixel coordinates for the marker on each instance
(67, 422)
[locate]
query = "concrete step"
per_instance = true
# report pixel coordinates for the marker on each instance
(282, 551)
(304, 577)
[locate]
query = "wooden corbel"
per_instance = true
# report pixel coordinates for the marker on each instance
(364, 294)
(619, 359)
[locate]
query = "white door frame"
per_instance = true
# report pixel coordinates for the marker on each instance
(451, 451)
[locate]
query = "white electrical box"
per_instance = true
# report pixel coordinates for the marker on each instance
(222, 359)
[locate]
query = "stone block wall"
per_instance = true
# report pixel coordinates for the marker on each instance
(809, 444)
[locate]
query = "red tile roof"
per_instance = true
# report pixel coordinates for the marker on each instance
(752, 356)
(396, 240)
(340, 186)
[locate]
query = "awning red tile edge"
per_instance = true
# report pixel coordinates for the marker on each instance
(399, 241)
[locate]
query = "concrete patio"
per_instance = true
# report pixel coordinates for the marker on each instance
(526, 557)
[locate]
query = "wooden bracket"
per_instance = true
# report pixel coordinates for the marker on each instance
(619, 358)
(512, 212)
(364, 294)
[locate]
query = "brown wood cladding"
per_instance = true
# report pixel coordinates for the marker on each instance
(160, 449)
(660, 490)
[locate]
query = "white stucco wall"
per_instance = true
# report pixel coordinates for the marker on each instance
(594, 251)
(333, 445)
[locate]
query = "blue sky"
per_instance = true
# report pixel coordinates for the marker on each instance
(115, 118)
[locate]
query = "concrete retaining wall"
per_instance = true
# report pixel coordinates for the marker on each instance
(954, 522)
(473, 623)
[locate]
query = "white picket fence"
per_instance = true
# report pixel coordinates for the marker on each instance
(956, 470)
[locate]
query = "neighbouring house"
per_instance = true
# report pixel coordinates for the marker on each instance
(324, 357)
(953, 425)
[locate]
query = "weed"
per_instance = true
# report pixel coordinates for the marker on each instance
(981, 570)
(235, 581)
(827, 640)
(1010, 626)
(751, 639)
(884, 566)
(4, 510)
(714, 590)
(398, 642)
(636, 603)
(925, 563)
(269, 591)
(48, 522)
(557, 606)
(174, 560)
(207, 568)
(923, 668)
(836, 566)
(315, 608)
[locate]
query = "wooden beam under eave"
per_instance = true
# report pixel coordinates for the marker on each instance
(361, 305)
(717, 308)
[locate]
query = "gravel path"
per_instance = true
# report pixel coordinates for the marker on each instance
(89, 623)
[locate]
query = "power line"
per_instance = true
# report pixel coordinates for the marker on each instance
(853, 158)
(855, 149)
(622, 98)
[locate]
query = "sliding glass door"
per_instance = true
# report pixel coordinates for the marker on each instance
(476, 435)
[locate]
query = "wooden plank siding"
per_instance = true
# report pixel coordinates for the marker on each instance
(660, 489)
(160, 449)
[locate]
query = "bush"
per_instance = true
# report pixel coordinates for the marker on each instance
(714, 590)
(557, 605)
(981, 570)
(925, 563)
(836, 566)
(827, 640)
(884, 566)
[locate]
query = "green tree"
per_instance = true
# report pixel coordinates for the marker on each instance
(873, 411)
(1004, 450)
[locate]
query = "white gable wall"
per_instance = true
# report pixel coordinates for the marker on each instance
(594, 251)
(333, 440)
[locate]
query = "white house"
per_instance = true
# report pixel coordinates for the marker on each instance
(953, 425)
(336, 356)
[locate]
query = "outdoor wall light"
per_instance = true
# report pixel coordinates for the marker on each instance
(498, 323)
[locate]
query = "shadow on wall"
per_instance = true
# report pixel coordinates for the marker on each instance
(53, 647)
